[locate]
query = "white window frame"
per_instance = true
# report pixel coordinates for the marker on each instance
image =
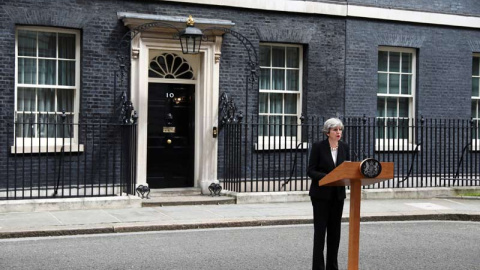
(36, 144)
(475, 141)
(397, 144)
(283, 142)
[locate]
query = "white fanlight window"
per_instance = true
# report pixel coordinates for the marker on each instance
(170, 66)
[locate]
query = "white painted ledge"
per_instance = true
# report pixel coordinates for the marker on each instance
(346, 10)
(29, 149)
(335, 9)
(367, 194)
(61, 204)
(413, 16)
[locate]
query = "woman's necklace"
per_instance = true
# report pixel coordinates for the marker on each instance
(334, 148)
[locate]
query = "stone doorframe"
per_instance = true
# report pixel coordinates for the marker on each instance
(207, 65)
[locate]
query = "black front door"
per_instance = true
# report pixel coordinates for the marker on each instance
(170, 149)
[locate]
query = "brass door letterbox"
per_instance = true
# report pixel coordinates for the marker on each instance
(168, 129)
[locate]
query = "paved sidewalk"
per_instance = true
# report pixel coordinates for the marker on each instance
(213, 216)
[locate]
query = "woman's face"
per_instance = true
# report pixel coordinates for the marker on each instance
(335, 133)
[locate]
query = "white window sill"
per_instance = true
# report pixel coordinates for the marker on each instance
(281, 146)
(407, 147)
(475, 145)
(29, 149)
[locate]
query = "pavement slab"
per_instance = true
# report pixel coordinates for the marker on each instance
(69, 222)
(27, 220)
(84, 217)
(139, 214)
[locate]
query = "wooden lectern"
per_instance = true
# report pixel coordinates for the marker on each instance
(348, 174)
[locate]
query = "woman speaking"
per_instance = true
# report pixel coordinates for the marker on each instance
(327, 202)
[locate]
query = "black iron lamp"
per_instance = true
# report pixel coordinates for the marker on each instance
(190, 37)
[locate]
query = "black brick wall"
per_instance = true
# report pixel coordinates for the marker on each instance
(340, 55)
(464, 7)
(322, 37)
(471, 7)
(444, 64)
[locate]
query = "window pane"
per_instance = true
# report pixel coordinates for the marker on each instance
(25, 125)
(46, 100)
(292, 57)
(66, 73)
(66, 46)
(477, 132)
(290, 126)
(65, 100)
(263, 127)
(477, 123)
(391, 107)
(25, 118)
(46, 71)
(476, 66)
(276, 103)
(403, 128)
(382, 83)
(394, 84)
(474, 109)
(46, 123)
(278, 56)
(26, 99)
(154, 71)
(275, 125)
(263, 102)
(265, 79)
(291, 103)
(265, 56)
(382, 61)
(379, 131)
(381, 107)
(278, 79)
(403, 107)
(27, 71)
(475, 87)
(406, 84)
(391, 128)
(158, 68)
(292, 80)
(394, 61)
(47, 44)
(64, 127)
(27, 43)
(407, 62)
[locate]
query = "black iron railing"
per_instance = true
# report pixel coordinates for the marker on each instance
(263, 157)
(57, 160)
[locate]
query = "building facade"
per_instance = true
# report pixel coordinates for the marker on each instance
(382, 59)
